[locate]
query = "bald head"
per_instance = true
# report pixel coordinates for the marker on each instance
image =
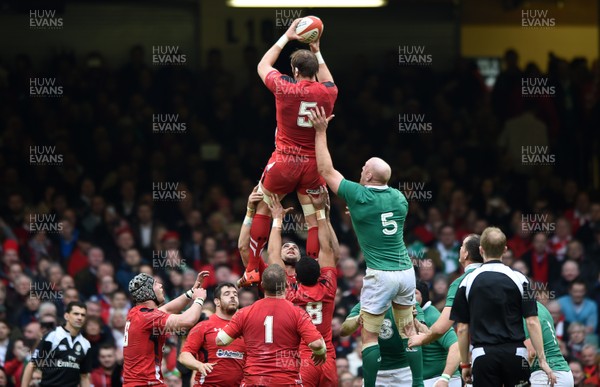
(375, 172)
(493, 243)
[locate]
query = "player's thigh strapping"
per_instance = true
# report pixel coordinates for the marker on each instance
(401, 377)
(563, 379)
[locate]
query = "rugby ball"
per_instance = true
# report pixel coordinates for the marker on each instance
(310, 29)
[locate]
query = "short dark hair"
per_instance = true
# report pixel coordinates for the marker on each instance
(273, 280)
(472, 242)
(5, 322)
(306, 62)
(577, 281)
(424, 289)
(308, 271)
(74, 304)
(107, 346)
(220, 287)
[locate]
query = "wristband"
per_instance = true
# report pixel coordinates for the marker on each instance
(251, 210)
(247, 221)
(199, 301)
(321, 214)
(445, 377)
(465, 366)
(282, 41)
(277, 222)
(189, 294)
(319, 57)
(321, 351)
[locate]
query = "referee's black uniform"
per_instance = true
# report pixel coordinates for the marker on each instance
(62, 358)
(493, 300)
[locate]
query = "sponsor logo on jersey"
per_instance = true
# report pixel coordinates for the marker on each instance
(227, 354)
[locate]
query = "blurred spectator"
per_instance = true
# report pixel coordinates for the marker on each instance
(577, 371)
(14, 367)
(448, 247)
(590, 364)
(588, 268)
(144, 229)
(439, 291)
(86, 280)
(558, 318)
(543, 266)
(246, 297)
(108, 374)
(6, 345)
(561, 238)
(576, 342)
(129, 268)
(93, 332)
(346, 379)
(577, 308)
(568, 273)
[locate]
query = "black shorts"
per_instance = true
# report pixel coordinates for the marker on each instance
(500, 366)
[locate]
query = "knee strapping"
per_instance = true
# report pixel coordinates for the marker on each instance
(403, 318)
(372, 322)
(266, 198)
(308, 209)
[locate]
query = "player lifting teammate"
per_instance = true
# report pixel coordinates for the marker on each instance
(292, 166)
(378, 213)
(273, 329)
(317, 284)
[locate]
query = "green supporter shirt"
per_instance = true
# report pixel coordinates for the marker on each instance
(555, 359)
(390, 343)
(378, 215)
(435, 354)
(456, 283)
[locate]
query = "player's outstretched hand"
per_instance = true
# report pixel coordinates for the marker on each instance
(254, 198)
(319, 359)
(319, 119)
(205, 368)
(321, 200)
(277, 210)
(291, 32)
(200, 279)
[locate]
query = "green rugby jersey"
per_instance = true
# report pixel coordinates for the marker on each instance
(378, 215)
(435, 354)
(456, 283)
(555, 359)
(390, 343)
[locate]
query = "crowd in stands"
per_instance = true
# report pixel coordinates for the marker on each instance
(82, 228)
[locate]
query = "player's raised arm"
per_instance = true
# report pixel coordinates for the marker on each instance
(179, 303)
(244, 238)
(320, 121)
(326, 253)
(324, 75)
(190, 317)
(277, 212)
(265, 66)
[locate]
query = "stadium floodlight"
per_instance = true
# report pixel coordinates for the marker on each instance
(306, 3)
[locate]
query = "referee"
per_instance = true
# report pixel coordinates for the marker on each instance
(489, 307)
(63, 355)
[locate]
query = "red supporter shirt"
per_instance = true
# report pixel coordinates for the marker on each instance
(319, 303)
(229, 361)
(293, 100)
(143, 344)
(272, 330)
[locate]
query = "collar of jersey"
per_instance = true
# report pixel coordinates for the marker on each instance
(493, 261)
(427, 305)
(473, 266)
(377, 186)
